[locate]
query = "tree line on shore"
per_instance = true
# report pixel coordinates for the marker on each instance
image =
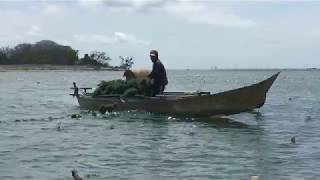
(50, 52)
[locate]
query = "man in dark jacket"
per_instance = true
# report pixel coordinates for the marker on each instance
(158, 74)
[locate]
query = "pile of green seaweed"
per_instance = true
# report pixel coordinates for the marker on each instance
(123, 88)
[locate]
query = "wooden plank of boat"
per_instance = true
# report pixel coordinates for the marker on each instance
(184, 104)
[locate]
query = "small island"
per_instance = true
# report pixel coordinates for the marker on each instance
(49, 55)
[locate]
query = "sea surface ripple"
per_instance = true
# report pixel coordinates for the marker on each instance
(131, 145)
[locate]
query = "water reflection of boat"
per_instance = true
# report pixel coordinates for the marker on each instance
(187, 104)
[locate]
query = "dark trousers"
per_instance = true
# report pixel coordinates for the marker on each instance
(157, 89)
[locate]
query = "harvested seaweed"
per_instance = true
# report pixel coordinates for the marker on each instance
(121, 87)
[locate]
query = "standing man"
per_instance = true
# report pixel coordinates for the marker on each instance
(158, 74)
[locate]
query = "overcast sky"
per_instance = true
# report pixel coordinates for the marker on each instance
(187, 33)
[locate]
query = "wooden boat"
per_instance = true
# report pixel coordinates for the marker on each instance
(186, 104)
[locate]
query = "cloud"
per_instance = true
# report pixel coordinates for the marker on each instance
(127, 38)
(128, 4)
(63, 42)
(115, 38)
(204, 12)
(199, 13)
(12, 37)
(34, 30)
(93, 38)
(90, 3)
(52, 9)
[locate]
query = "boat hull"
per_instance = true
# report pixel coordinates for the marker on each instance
(224, 103)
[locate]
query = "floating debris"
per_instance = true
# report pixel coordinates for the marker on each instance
(91, 176)
(106, 116)
(76, 116)
(111, 127)
(172, 118)
(27, 120)
(59, 126)
(308, 118)
(50, 118)
(293, 98)
(191, 133)
(293, 139)
(75, 175)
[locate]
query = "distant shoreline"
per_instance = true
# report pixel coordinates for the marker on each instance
(31, 67)
(39, 67)
(253, 69)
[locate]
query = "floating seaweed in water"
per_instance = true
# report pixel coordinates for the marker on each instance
(307, 119)
(76, 116)
(59, 126)
(107, 108)
(293, 139)
(75, 175)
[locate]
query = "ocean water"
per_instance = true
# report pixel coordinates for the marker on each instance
(147, 146)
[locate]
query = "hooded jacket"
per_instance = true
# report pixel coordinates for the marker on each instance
(159, 74)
